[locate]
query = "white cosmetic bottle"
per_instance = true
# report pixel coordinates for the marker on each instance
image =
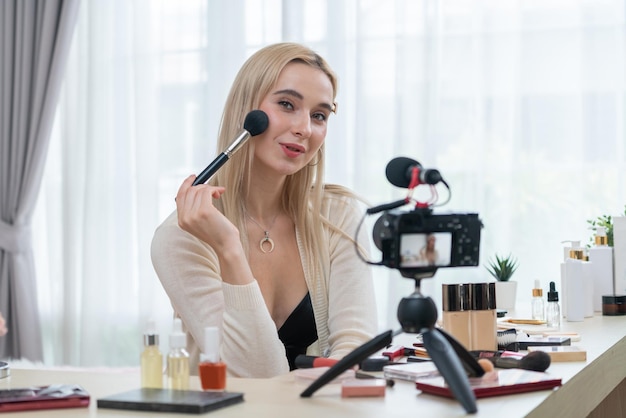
(573, 285)
(619, 253)
(587, 284)
(601, 257)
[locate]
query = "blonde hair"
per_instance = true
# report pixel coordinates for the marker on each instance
(303, 192)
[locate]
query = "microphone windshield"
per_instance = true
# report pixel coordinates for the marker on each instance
(398, 171)
(256, 122)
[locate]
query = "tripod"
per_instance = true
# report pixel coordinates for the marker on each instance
(418, 314)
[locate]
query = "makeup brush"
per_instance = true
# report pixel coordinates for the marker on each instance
(531, 361)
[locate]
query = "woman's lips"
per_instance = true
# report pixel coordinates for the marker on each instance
(292, 150)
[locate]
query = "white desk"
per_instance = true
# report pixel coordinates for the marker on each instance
(585, 386)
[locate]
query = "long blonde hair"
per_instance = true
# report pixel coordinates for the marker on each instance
(303, 191)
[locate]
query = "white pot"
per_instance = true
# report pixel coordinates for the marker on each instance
(506, 292)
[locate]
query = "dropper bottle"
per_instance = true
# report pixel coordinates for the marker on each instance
(151, 359)
(553, 311)
(537, 302)
(178, 358)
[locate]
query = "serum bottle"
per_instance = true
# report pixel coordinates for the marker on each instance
(537, 302)
(151, 359)
(553, 311)
(178, 359)
(211, 370)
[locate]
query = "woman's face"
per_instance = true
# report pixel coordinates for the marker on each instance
(298, 108)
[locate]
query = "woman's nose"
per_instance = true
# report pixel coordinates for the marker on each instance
(302, 125)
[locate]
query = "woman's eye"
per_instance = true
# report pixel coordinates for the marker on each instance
(285, 104)
(319, 116)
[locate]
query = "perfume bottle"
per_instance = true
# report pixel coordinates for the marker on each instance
(537, 302)
(151, 359)
(178, 359)
(211, 370)
(553, 311)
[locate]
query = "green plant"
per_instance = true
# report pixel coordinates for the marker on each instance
(502, 268)
(605, 221)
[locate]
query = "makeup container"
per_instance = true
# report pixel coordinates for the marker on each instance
(614, 305)
(573, 286)
(601, 257)
(553, 311)
(178, 359)
(151, 359)
(483, 318)
(211, 370)
(619, 254)
(538, 310)
(588, 280)
(455, 312)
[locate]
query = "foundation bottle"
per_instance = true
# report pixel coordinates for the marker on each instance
(455, 313)
(211, 370)
(483, 318)
(178, 359)
(601, 257)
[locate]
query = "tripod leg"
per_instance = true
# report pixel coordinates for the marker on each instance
(450, 367)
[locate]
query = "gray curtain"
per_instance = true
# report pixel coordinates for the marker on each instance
(35, 37)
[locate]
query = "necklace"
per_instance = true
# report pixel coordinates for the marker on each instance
(266, 238)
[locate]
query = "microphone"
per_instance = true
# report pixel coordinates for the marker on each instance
(399, 172)
(256, 123)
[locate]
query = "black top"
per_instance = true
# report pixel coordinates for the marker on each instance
(299, 330)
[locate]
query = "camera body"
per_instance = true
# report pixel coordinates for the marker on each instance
(419, 242)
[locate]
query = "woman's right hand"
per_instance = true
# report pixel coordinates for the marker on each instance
(198, 216)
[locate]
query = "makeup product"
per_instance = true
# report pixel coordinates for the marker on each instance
(374, 363)
(211, 370)
(303, 361)
(619, 254)
(588, 280)
(537, 305)
(537, 361)
(455, 312)
(573, 336)
(507, 340)
(363, 387)
(574, 286)
(614, 305)
(553, 311)
(393, 352)
(151, 359)
(178, 359)
(525, 342)
(483, 321)
(561, 353)
(521, 321)
(601, 257)
(410, 372)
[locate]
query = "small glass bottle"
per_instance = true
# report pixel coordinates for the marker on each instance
(151, 359)
(178, 359)
(538, 308)
(553, 311)
(211, 370)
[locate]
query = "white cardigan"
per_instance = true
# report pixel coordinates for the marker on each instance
(343, 302)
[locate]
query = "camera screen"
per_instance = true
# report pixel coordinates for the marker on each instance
(423, 250)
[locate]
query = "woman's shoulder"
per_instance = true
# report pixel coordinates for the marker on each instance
(340, 201)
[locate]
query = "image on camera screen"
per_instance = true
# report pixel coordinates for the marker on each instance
(423, 250)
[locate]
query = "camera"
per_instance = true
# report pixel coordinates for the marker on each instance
(419, 242)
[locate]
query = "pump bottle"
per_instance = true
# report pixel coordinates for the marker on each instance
(573, 285)
(178, 359)
(601, 257)
(151, 359)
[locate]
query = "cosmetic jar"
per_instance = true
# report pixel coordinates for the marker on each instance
(613, 305)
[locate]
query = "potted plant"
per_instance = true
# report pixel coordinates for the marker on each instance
(502, 269)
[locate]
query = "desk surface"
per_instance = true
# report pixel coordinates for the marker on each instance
(585, 384)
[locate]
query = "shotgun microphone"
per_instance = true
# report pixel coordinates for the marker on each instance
(256, 123)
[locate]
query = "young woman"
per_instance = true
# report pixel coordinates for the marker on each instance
(265, 250)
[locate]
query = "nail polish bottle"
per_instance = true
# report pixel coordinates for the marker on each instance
(211, 370)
